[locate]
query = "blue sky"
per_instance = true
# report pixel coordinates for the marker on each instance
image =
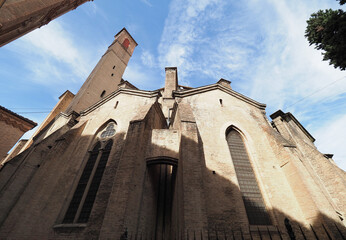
(259, 45)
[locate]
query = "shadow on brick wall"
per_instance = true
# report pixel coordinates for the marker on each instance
(36, 188)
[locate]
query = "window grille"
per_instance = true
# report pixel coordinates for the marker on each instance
(109, 131)
(251, 194)
(95, 183)
(79, 210)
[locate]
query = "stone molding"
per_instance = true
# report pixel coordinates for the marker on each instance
(217, 86)
(139, 93)
(16, 120)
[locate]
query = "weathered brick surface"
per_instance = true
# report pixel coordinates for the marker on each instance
(9, 136)
(176, 179)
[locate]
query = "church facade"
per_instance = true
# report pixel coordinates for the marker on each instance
(175, 163)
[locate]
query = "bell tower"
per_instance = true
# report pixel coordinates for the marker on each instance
(107, 74)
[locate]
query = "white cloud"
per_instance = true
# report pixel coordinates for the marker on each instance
(92, 9)
(289, 62)
(49, 49)
(148, 59)
(139, 76)
(182, 32)
(56, 42)
(261, 43)
(259, 46)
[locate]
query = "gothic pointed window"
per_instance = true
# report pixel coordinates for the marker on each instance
(251, 194)
(84, 196)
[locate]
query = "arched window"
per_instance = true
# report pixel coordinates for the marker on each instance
(83, 199)
(253, 201)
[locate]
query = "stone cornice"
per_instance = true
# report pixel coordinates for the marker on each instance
(218, 86)
(16, 120)
(140, 93)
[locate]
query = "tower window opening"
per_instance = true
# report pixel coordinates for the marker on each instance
(251, 194)
(220, 100)
(112, 74)
(113, 67)
(103, 93)
(126, 43)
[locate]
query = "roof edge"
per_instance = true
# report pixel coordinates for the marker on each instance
(142, 93)
(26, 120)
(222, 88)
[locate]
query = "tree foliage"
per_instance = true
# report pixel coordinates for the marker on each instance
(327, 31)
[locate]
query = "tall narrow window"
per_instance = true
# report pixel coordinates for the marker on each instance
(83, 199)
(253, 201)
(95, 183)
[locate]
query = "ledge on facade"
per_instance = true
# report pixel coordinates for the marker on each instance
(287, 116)
(70, 225)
